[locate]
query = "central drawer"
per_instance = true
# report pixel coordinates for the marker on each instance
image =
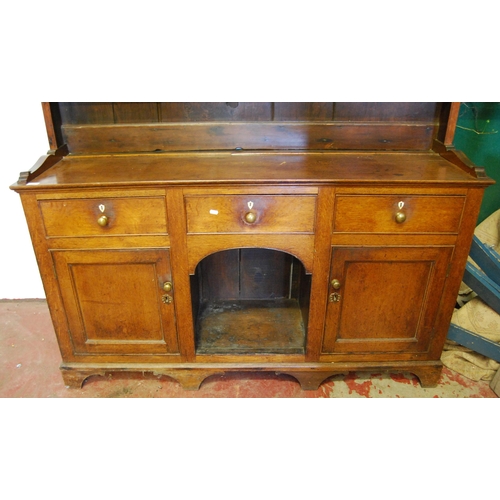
(250, 213)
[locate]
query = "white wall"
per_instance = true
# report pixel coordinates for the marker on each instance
(24, 140)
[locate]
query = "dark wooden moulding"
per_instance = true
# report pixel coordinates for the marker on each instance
(308, 239)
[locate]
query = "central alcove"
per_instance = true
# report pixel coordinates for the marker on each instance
(250, 300)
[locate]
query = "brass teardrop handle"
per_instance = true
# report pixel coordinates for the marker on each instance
(250, 217)
(167, 286)
(102, 220)
(400, 217)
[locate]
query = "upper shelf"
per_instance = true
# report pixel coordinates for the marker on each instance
(87, 128)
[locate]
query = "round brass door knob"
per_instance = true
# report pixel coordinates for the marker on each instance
(167, 286)
(336, 284)
(102, 220)
(250, 217)
(400, 217)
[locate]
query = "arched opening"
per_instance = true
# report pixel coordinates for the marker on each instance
(250, 301)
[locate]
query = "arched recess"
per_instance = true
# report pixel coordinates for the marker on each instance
(250, 300)
(299, 246)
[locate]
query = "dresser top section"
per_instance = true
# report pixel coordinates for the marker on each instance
(114, 144)
(145, 127)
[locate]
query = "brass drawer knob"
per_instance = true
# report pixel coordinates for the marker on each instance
(336, 284)
(167, 286)
(400, 217)
(250, 217)
(102, 220)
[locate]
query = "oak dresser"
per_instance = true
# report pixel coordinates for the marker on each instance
(308, 239)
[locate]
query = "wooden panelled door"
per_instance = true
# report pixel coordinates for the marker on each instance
(384, 299)
(118, 301)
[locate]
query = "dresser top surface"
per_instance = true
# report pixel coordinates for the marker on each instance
(250, 168)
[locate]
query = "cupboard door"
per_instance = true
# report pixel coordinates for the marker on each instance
(115, 300)
(384, 300)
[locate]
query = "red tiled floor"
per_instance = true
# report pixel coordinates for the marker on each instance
(30, 359)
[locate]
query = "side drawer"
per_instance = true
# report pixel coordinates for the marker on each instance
(397, 213)
(250, 213)
(104, 216)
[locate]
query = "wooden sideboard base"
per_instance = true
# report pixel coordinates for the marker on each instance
(196, 239)
(310, 375)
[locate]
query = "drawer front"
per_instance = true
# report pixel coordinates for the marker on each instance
(397, 213)
(248, 213)
(104, 216)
